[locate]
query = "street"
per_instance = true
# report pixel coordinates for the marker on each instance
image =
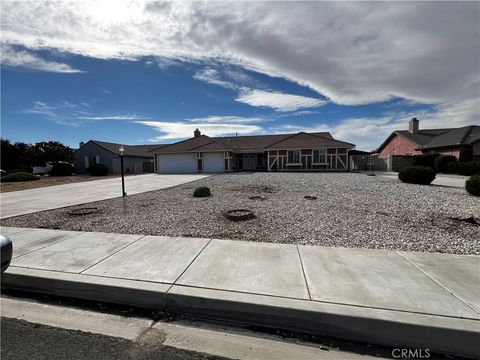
(24, 340)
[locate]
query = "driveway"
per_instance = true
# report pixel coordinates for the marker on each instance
(30, 201)
(456, 181)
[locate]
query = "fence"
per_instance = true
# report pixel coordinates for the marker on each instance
(368, 163)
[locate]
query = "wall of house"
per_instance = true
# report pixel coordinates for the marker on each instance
(476, 148)
(91, 149)
(398, 145)
(131, 164)
(336, 160)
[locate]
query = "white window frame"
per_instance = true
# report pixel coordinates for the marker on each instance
(293, 157)
(324, 155)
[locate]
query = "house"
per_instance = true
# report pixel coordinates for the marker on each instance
(460, 142)
(137, 158)
(286, 152)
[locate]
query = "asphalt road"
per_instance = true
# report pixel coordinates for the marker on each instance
(24, 340)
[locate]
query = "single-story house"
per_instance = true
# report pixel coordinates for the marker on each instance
(459, 142)
(137, 158)
(284, 152)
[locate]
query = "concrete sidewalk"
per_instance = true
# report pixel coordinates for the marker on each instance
(22, 202)
(454, 181)
(388, 297)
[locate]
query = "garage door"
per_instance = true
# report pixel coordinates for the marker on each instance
(213, 162)
(177, 163)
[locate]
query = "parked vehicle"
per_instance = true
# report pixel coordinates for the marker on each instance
(6, 251)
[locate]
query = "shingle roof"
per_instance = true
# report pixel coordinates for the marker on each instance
(308, 141)
(436, 138)
(130, 150)
(460, 136)
(253, 143)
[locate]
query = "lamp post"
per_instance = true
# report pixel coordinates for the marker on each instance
(121, 150)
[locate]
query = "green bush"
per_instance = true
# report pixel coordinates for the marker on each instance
(443, 163)
(98, 170)
(417, 175)
(20, 176)
(472, 185)
(467, 168)
(62, 169)
(202, 191)
(427, 160)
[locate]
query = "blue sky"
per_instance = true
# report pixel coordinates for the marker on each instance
(71, 85)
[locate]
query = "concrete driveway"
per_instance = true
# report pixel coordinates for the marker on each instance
(29, 201)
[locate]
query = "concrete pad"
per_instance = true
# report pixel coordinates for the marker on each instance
(52, 197)
(77, 253)
(377, 279)
(259, 268)
(7, 231)
(153, 258)
(30, 240)
(74, 319)
(459, 274)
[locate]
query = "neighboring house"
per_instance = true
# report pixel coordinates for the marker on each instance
(458, 142)
(136, 157)
(287, 152)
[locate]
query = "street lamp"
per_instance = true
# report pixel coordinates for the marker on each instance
(121, 150)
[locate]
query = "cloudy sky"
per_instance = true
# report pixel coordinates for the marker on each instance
(141, 72)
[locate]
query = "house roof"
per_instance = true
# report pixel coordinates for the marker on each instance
(436, 138)
(130, 150)
(253, 143)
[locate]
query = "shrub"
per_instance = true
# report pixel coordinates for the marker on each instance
(98, 170)
(468, 168)
(427, 160)
(62, 169)
(202, 191)
(20, 176)
(442, 163)
(472, 185)
(417, 175)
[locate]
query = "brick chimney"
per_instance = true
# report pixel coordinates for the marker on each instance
(196, 133)
(413, 126)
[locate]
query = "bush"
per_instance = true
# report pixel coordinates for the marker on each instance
(202, 191)
(472, 185)
(468, 168)
(62, 169)
(417, 175)
(427, 160)
(98, 170)
(442, 163)
(20, 176)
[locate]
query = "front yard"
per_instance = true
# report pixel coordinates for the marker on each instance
(351, 210)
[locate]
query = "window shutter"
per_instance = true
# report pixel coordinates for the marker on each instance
(86, 162)
(98, 159)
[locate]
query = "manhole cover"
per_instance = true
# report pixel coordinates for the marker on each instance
(310, 197)
(83, 211)
(239, 214)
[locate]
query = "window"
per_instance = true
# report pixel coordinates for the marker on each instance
(199, 155)
(294, 156)
(92, 160)
(320, 156)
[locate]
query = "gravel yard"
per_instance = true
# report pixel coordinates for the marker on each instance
(351, 210)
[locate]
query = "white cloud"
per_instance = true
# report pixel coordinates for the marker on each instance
(211, 76)
(278, 101)
(112, 117)
(22, 58)
(350, 52)
(228, 119)
(181, 130)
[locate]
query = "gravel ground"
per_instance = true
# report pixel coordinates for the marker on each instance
(352, 210)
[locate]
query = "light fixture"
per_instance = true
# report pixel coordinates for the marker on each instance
(121, 149)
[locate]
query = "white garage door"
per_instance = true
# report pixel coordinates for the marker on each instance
(213, 162)
(177, 163)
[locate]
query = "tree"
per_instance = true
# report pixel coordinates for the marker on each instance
(52, 151)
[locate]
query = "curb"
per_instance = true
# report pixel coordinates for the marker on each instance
(399, 329)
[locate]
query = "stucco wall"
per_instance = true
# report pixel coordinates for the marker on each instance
(398, 145)
(91, 149)
(132, 165)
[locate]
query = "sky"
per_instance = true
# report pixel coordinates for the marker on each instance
(137, 72)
